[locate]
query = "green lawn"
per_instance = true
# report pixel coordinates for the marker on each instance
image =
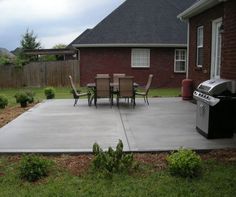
(64, 92)
(217, 180)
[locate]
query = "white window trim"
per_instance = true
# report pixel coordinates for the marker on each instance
(199, 46)
(185, 60)
(132, 58)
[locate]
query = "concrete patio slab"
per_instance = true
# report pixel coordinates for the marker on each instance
(57, 126)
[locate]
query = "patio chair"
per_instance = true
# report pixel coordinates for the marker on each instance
(103, 89)
(76, 94)
(116, 77)
(146, 89)
(126, 89)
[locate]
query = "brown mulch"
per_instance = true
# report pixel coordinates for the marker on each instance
(10, 113)
(77, 165)
(80, 164)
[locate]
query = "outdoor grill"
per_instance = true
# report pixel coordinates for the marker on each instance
(216, 108)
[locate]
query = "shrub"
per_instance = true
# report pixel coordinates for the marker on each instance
(4, 60)
(3, 101)
(49, 92)
(30, 96)
(112, 161)
(184, 163)
(33, 167)
(22, 98)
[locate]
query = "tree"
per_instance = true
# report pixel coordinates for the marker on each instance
(29, 41)
(59, 46)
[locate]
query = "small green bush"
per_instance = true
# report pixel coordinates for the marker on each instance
(22, 98)
(49, 92)
(4, 60)
(31, 95)
(184, 163)
(3, 101)
(112, 161)
(34, 167)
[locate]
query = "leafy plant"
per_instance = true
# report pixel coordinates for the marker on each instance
(49, 92)
(112, 161)
(3, 101)
(20, 61)
(22, 98)
(4, 60)
(31, 95)
(184, 163)
(34, 167)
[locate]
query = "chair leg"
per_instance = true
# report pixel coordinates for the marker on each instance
(144, 98)
(89, 103)
(95, 101)
(117, 101)
(111, 100)
(76, 100)
(147, 99)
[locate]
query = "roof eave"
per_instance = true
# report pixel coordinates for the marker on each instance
(198, 8)
(128, 45)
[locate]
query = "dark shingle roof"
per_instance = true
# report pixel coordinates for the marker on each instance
(140, 22)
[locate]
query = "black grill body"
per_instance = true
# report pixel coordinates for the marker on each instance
(216, 109)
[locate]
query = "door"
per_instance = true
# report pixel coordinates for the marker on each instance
(216, 48)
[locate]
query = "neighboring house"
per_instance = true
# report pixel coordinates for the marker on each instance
(138, 38)
(212, 39)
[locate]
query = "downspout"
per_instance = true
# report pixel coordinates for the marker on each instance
(187, 65)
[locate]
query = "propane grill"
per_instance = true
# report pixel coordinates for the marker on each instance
(216, 101)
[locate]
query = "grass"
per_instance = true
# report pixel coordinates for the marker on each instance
(217, 179)
(64, 93)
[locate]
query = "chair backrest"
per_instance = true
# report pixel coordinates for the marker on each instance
(103, 87)
(148, 83)
(72, 85)
(126, 88)
(116, 77)
(102, 75)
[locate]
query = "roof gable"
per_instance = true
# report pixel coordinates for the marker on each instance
(140, 22)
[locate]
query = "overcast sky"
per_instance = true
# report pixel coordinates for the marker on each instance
(53, 21)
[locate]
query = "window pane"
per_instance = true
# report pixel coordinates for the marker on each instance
(182, 55)
(140, 58)
(177, 54)
(180, 66)
(200, 36)
(180, 60)
(200, 56)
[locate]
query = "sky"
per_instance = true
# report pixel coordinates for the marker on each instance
(53, 21)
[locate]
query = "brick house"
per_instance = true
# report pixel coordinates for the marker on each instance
(212, 40)
(138, 38)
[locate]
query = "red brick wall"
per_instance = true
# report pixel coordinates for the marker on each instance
(118, 60)
(228, 70)
(204, 19)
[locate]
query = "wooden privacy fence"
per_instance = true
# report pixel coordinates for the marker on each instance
(39, 74)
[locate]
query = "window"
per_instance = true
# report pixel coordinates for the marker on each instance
(200, 46)
(180, 60)
(140, 58)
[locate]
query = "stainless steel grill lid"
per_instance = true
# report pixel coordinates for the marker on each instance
(216, 86)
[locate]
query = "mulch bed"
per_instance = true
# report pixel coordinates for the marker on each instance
(10, 113)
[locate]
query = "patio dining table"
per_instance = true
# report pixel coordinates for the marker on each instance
(92, 87)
